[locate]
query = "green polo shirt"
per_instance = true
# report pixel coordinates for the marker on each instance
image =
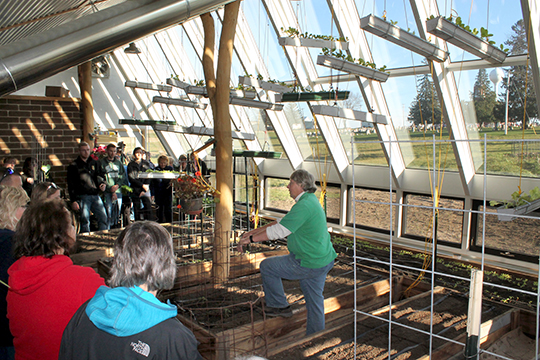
(309, 240)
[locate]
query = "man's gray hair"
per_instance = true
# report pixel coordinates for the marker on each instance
(305, 180)
(143, 254)
(83, 143)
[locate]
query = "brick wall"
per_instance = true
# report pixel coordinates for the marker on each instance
(41, 126)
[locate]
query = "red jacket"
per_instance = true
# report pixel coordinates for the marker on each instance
(43, 296)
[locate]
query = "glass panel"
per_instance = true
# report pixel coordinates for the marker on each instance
(307, 134)
(240, 188)
(485, 117)
(365, 153)
(333, 201)
(279, 198)
(278, 195)
(154, 146)
(372, 209)
(265, 131)
(519, 236)
(420, 220)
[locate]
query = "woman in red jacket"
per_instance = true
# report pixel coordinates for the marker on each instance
(45, 287)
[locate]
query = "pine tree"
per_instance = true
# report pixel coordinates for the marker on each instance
(518, 76)
(483, 97)
(424, 101)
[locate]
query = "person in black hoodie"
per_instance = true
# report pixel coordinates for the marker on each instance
(85, 181)
(127, 321)
(162, 192)
(141, 187)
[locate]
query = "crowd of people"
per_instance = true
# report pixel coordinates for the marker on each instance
(53, 309)
(108, 187)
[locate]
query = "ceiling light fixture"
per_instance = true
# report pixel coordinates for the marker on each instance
(132, 49)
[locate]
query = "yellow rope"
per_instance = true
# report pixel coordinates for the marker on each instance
(255, 188)
(320, 172)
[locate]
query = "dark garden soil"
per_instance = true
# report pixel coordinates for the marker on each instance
(449, 321)
(239, 301)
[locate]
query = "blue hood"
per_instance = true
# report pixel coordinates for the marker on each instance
(125, 311)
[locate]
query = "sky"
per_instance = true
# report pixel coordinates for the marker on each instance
(315, 17)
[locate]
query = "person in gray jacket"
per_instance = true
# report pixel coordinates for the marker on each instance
(127, 321)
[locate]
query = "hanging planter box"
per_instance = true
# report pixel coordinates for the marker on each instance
(201, 90)
(158, 175)
(313, 96)
(265, 85)
(144, 122)
(506, 214)
(352, 68)
(465, 40)
(350, 114)
(313, 43)
(396, 35)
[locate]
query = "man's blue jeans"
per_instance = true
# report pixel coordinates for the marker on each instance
(92, 203)
(113, 208)
(311, 282)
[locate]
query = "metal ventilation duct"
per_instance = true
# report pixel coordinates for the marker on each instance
(38, 57)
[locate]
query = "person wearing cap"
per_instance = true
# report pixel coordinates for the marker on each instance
(85, 182)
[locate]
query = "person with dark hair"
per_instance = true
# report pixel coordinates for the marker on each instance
(182, 163)
(29, 175)
(311, 254)
(45, 190)
(141, 187)
(13, 201)
(162, 192)
(46, 289)
(198, 167)
(85, 180)
(9, 166)
(115, 177)
(127, 321)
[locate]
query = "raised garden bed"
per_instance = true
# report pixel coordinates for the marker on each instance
(236, 325)
(449, 321)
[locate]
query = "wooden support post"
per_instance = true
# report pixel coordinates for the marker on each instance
(218, 94)
(474, 317)
(87, 104)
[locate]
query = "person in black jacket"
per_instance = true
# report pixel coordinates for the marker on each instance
(85, 181)
(141, 187)
(162, 192)
(127, 321)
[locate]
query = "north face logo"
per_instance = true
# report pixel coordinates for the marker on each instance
(141, 348)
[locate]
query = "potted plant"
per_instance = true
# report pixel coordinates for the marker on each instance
(295, 38)
(190, 192)
(341, 61)
(199, 88)
(521, 203)
(464, 37)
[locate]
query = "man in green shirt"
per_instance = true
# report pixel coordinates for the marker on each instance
(115, 177)
(311, 254)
